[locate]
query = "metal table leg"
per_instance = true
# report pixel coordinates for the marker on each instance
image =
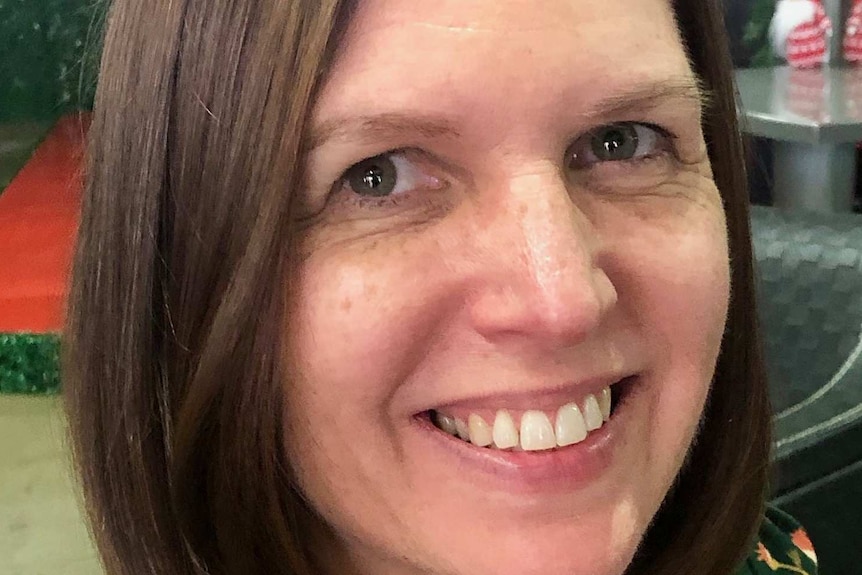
(820, 178)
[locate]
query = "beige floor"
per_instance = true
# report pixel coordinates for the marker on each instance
(41, 529)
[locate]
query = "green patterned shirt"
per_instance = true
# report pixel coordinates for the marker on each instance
(783, 547)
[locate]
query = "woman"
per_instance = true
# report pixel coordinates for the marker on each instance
(398, 287)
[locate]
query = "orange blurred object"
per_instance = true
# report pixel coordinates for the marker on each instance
(38, 222)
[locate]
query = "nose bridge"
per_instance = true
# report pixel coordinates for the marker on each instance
(543, 225)
(543, 275)
(549, 234)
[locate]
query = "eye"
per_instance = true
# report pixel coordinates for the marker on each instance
(389, 174)
(618, 143)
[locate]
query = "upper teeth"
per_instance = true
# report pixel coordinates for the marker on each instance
(537, 431)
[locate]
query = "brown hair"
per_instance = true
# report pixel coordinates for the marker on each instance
(172, 379)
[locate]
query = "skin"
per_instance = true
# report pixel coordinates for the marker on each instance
(502, 271)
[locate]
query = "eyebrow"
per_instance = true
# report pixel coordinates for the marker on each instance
(382, 126)
(680, 90)
(393, 125)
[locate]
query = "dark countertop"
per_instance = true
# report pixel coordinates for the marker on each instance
(18, 140)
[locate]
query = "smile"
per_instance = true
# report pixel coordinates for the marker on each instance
(547, 425)
(533, 429)
(551, 442)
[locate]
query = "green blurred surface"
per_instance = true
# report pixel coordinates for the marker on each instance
(29, 363)
(757, 34)
(49, 53)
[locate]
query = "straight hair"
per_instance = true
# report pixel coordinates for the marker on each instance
(173, 381)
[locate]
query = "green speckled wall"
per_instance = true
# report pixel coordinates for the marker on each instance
(49, 51)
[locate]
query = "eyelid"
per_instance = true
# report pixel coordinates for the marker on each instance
(655, 127)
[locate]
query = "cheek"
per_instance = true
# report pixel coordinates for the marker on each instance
(356, 322)
(688, 318)
(361, 320)
(671, 264)
(683, 292)
(676, 281)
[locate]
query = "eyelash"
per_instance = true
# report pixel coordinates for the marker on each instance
(341, 186)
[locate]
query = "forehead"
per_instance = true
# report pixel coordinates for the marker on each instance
(473, 56)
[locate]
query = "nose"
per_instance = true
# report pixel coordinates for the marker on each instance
(538, 276)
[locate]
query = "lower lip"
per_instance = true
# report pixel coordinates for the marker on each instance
(567, 468)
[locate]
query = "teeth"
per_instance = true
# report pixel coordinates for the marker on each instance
(462, 430)
(480, 432)
(571, 427)
(592, 413)
(605, 403)
(446, 423)
(505, 434)
(537, 433)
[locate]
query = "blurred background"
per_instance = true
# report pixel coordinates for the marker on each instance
(802, 127)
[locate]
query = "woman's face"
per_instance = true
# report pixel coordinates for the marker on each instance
(537, 221)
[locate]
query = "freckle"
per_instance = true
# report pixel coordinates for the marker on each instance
(346, 304)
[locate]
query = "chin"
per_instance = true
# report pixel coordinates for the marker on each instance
(603, 547)
(562, 538)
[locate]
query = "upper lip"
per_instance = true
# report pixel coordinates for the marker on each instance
(547, 397)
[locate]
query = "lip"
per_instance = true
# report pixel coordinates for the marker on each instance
(563, 469)
(545, 399)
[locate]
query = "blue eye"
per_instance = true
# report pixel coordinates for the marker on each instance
(618, 143)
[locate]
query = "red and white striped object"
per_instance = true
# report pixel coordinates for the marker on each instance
(853, 34)
(800, 32)
(808, 42)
